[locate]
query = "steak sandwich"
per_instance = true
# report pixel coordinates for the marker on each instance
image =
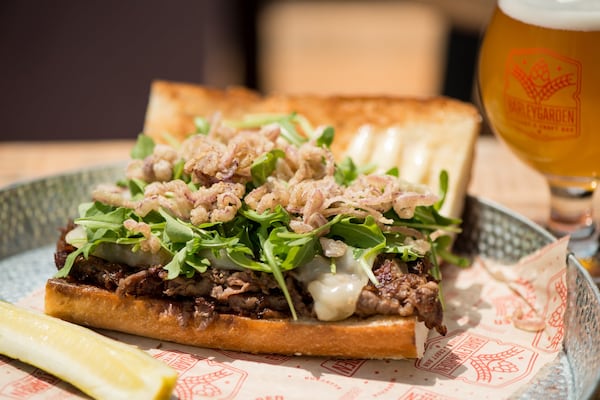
(245, 227)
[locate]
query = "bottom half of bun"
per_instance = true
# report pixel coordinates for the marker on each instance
(381, 337)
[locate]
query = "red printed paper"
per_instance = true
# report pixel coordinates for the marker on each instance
(484, 354)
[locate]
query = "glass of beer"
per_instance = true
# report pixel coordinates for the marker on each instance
(539, 84)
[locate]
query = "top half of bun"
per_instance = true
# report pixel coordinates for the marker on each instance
(420, 136)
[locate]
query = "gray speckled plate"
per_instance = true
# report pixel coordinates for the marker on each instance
(31, 214)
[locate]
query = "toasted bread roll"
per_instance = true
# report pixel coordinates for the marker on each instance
(376, 337)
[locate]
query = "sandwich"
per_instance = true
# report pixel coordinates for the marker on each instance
(242, 224)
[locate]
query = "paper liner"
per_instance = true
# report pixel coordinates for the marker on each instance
(484, 355)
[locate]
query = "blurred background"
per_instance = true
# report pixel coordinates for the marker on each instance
(73, 69)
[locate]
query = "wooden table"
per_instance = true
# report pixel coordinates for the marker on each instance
(497, 174)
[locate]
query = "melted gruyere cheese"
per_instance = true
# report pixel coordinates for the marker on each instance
(334, 294)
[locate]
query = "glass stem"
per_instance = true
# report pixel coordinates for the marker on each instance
(571, 213)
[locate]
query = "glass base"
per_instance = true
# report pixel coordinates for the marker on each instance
(583, 245)
(571, 213)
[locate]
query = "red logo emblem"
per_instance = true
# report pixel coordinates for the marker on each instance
(202, 378)
(34, 384)
(477, 360)
(179, 361)
(343, 367)
(214, 381)
(541, 93)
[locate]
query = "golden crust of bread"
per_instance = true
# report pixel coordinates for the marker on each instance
(173, 106)
(377, 338)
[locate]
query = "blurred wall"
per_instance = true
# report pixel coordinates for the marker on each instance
(351, 47)
(72, 69)
(467, 19)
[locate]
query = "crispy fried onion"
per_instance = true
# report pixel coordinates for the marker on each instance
(303, 182)
(150, 243)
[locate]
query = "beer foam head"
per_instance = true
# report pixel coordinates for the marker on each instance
(574, 15)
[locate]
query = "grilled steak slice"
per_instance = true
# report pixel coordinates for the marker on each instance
(402, 292)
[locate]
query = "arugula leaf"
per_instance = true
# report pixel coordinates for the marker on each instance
(177, 264)
(289, 132)
(70, 260)
(176, 230)
(200, 264)
(84, 208)
(136, 187)
(202, 125)
(195, 260)
(304, 125)
(244, 259)
(274, 266)
(326, 137)
(443, 189)
(170, 139)
(210, 240)
(144, 146)
(292, 253)
(347, 171)
(98, 217)
(279, 215)
(354, 233)
(396, 244)
(264, 165)
(428, 219)
(394, 171)
(366, 258)
(178, 172)
(285, 121)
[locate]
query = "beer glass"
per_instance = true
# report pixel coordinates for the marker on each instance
(539, 84)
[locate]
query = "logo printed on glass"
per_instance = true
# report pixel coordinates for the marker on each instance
(541, 93)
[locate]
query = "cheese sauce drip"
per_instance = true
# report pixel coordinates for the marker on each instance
(335, 294)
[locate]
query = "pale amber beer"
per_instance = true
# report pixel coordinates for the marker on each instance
(539, 82)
